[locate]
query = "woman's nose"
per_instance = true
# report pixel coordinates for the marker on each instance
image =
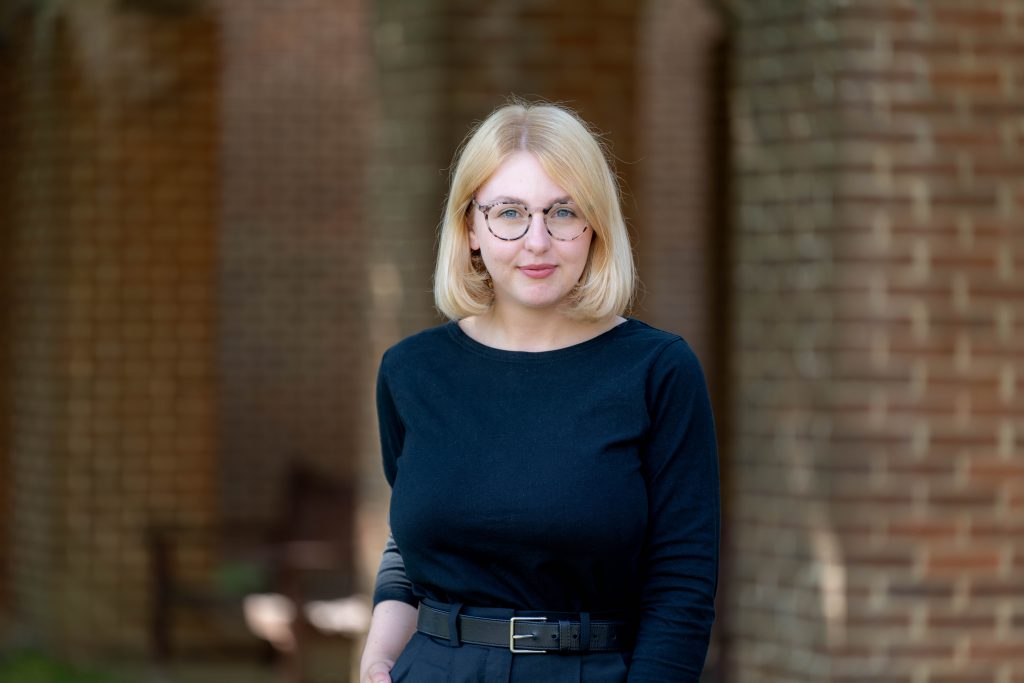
(537, 237)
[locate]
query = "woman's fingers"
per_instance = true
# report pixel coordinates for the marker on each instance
(378, 673)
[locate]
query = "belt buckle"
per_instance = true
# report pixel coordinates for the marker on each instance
(512, 637)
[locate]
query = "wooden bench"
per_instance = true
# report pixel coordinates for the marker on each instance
(305, 560)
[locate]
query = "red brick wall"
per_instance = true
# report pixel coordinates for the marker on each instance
(404, 192)
(112, 251)
(675, 189)
(781, 530)
(294, 366)
(190, 306)
(36, 303)
(7, 133)
(680, 195)
(878, 525)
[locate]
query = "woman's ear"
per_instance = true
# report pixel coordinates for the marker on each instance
(474, 242)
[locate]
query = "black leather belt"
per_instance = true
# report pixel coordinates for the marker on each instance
(525, 635)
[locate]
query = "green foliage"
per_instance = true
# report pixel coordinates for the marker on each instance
(238, 579)
(161, 6)
(33, 667)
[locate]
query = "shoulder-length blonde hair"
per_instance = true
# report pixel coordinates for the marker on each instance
(574, 158)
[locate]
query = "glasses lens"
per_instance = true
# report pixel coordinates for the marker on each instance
(508, 221)
(565, 222)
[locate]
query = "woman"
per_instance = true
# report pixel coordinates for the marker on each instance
(554, 475)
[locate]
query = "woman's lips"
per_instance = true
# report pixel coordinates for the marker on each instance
(537, 272)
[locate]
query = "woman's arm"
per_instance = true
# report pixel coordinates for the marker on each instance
(680, 463)
(394, 617)
(391, 628)
(394, 612)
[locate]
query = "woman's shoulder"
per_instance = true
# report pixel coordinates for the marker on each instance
(646, 333)
(664, 349)
(429, 341)
(642, 334)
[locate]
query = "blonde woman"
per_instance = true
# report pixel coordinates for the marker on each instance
(554, 473)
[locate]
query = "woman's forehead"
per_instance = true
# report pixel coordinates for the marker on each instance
(520, 177)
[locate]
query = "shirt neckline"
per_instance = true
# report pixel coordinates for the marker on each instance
(464, 340)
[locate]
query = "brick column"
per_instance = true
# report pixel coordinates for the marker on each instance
(787, 580)
(294, 290)
(676, 192)
(8, 136)
(879, 514)
(112, 242)
(681, 200)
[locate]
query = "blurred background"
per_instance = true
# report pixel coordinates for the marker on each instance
(215, 216)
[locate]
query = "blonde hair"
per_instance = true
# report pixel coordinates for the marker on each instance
(574, 158)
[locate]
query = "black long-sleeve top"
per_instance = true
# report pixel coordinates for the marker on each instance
(579, 479)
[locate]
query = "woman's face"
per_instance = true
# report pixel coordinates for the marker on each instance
(535, 271)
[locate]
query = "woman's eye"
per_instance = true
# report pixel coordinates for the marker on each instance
(509, 214)
(564, 212)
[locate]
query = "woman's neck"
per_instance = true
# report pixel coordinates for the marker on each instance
(529, 331)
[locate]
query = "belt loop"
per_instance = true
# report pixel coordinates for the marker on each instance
(564, 636)
(584, 631)
(453, 624)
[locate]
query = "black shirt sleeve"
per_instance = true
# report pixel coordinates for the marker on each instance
(392, 582)
(680, 465)
(392, 430)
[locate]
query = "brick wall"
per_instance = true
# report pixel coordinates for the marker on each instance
(781, 529)
(675, 190)
(680, 194)
(293, 294)
(112, 248)
(878, 519)
(189, 306)
(7, 132)
(406, 180)
(37, 304)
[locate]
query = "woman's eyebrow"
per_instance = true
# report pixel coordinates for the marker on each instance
(506, 199)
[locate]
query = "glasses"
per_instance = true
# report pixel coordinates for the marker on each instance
(509, 221)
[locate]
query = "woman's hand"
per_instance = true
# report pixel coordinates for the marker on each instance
(392, 625)
(378, 672)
